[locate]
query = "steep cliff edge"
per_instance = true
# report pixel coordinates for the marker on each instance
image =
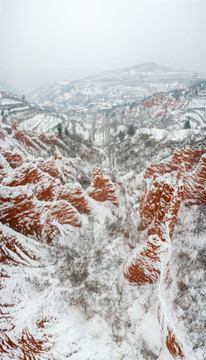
(158, 214)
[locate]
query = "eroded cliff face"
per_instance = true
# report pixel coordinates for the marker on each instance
(158, 211)
(62, 249)
(24, 213)
(102, 188)
(41, 202)
(182, 157)
(148, 264)
(38, 197)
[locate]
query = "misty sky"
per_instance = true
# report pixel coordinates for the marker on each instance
(50, 40)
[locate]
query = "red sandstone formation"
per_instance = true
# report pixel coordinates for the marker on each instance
(2, 134)
(173, 345)
(102, 188)
(161, 207)
(159, 114)
(59, 168)
(29, 140)
(75, 196)
(184, 161)
(171, 338)
(51, 140)
(158, 212)
(145, 265)
(165, 218)
(14, 158)
(195, 185)
(28, 174)
(185, 156)
(171, 103)
(21, 136)
(21, 210)
(154, 201)
(25, 347)
(46, 188)
(150, 264)
(39, 143)
(5, 168)
(48, 166)
(154, 101)
(166, 227)
(15, 248)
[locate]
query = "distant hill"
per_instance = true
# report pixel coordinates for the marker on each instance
(113, 88)
(149, 66)
(4, 86)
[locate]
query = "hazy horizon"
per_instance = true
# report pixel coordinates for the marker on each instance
(61, 40)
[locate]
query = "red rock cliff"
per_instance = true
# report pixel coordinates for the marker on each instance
(102, 188)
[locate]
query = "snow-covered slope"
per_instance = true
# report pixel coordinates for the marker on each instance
(114, 88)
(109, 267)
(174, 110)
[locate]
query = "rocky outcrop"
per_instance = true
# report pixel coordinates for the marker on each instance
(190, 166)
(47, 188)
(158, 214)
(102, 189)
(165, 219)
(195, 184)
(2, 134)
(40, 201)
(22, 137)
(185, 156)
(173, 345)
(51, 140)
(154, 202)
(43, 185)
(145, 265)
(41, 142)
(153, 101)
(73, 193)
(21, 210)
(58, 167)
(5, 168)
(151, 263)
(14, 157)
(15, 248)
(24, 347)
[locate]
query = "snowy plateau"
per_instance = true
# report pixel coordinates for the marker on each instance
(103, 218)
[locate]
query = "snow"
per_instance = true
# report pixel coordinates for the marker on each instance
(41, 122)
(6, 101)
(101, 316)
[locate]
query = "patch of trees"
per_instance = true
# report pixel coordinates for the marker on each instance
(59, 129)
(187, 124)
(131, 130)
(121, 135)
(177, 94)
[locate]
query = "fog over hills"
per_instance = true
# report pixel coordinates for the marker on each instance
(4, 86)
